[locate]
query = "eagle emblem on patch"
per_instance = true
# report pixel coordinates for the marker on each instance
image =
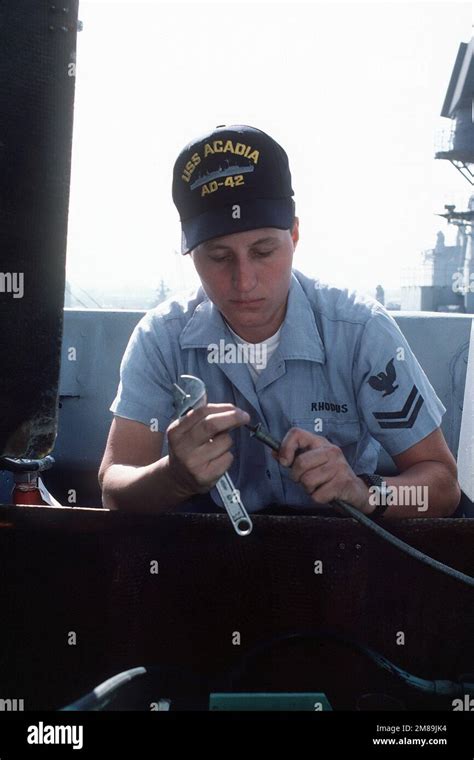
(384, 381)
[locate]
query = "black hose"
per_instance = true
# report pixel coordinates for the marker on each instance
(258, 432)
(410, 550)
(438, 687)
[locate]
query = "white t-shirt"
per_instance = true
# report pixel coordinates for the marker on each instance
(258, 354)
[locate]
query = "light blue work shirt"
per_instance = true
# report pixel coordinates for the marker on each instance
(343, 370)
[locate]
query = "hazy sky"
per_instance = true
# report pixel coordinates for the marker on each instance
(353, 92)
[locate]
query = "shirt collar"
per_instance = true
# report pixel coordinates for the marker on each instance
(299, 337)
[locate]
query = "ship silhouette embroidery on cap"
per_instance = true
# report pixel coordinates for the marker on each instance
(227, 171)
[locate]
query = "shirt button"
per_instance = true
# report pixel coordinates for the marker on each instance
(268, 474)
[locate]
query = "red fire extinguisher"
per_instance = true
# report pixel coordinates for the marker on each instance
(27, 482)
(26, 489)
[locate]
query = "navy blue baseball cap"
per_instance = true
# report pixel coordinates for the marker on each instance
(233, 179)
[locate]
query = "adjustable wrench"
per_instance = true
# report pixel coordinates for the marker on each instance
(191, 394)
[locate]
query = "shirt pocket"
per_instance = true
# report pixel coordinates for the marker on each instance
(342, 433)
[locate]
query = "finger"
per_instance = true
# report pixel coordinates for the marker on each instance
(324, 494)
(214, 424)
(316, 477)
(218, 467)
(212, 449)
(309, 460)
(329, 490)
(296, 438)
(194, 416)
(199, 425)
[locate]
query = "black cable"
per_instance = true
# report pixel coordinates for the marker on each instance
(436, 687)
(108, 692)
(258, 432)
(404, 547)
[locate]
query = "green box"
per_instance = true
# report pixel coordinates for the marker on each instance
(277, 701)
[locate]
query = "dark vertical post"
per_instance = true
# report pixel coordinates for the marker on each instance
(37, 58)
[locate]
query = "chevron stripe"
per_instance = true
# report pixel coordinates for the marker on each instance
(403, 412)
(400, 419)
(406, 423)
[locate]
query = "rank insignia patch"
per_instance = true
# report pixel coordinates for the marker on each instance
(405, 417)
(384, 381)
